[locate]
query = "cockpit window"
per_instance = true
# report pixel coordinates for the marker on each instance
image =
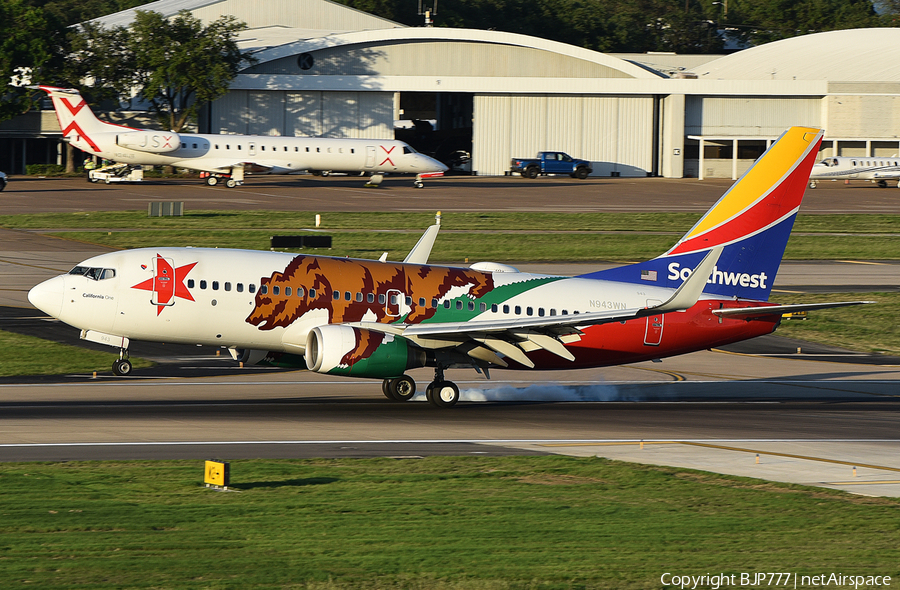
(409, 150)
(95, 273)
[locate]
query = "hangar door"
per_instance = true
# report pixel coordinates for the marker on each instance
(309, 113)
(616, 133)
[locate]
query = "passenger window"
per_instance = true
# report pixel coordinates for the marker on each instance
(471, 306)
(505, 309)
(202, 283)
(240, 287)
(483, 306)
(541, 311)
(228, 146)
(301, 292)
(421, 302)
(552, 312)
(434, 303)
(394, 299)
(184, 145)
(370, 297)
(287, 291)
(312, 293)
(565, 312)
(347, 296)
(381, 298)
(264, 289)
(494, 308)
(228, 286)
(359, 296)
(276, 290)
(190, 283)
(335, 294)
(195, 146)
(408, 300)
(215, 285)
(518, 310)
(251, 288)
(217, 146)
(447, 304)
(529, 311)
(459, 304)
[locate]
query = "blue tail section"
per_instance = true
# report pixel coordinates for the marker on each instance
(752, 221)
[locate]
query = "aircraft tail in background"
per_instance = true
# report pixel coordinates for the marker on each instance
(752, 222)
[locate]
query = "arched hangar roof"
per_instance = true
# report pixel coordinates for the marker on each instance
(444, 52)
(852, 55)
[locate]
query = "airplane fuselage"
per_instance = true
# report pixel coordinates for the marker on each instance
(270, 301)
(278, 155)
(852, 168)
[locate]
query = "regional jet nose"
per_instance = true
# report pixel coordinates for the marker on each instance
(48, 296)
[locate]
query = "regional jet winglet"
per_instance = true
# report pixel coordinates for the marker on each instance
(228, 157)
(377, 319)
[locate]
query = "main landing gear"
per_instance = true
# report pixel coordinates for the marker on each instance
(440, 392)
(122, 366)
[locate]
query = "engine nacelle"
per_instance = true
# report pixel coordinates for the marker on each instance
(356, 352)
(156, 142)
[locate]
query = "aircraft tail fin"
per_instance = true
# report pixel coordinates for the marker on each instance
(77, 121)
(751, 222)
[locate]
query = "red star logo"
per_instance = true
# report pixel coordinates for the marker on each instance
(168, 283)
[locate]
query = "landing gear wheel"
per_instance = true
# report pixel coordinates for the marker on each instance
(812, 184)
(882, 184)
(212, 180)
(386, 389)
(444, 394)
(121, 367)
(231, 183)
(402, 388)
(418, 184)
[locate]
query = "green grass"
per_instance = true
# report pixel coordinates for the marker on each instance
(867, 328)
(26, 355)
(473, 236)
(440, 522)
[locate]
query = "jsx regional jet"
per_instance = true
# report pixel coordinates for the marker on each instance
(879, 170)
(228, 157)
(377, 319)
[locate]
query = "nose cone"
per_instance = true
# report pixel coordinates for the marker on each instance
(433, 165)
(48, 296)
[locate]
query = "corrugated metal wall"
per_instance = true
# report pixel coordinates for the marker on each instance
(440, 58)
(303, 14)
(325, 114)
(747, 116)
(614, 132)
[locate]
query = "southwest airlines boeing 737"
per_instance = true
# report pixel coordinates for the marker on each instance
(377, 319)
(229, 157)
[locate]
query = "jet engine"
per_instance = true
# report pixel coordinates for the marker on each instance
(356, 352)
(155, 142)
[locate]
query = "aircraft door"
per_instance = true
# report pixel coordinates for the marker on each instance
(654, 328)
(393, 303)
(163, 292)
(370, 156)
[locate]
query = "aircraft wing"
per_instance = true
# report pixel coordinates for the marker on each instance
(515, 336)
(782, 309)
(222, 165)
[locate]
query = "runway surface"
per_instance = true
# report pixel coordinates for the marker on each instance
(809, 417)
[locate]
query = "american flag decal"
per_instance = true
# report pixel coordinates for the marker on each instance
(648, 275)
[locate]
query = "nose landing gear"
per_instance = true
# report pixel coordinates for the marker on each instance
(122, 366)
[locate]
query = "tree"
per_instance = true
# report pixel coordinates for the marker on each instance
(179, 64)
(22, 45)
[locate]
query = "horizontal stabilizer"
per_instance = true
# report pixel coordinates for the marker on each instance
(782, 309)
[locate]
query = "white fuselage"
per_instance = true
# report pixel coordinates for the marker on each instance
(850, 168)
(265, 154)
(216, 291)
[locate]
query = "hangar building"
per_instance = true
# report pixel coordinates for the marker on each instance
(325, 69)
